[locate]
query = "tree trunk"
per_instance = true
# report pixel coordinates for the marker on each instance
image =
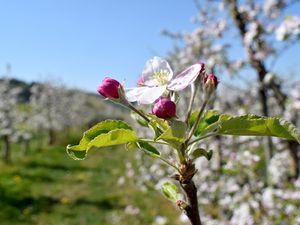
(51, 137)
(6, 149)
(294, 150)
(261, 71)
(219, 155)
(25, 147)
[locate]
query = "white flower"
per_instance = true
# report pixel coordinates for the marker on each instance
(131, 210)
(161, 220)
(157, 77)
(267, 198)
(242, 215)
(291, 25)
(272, 7)
(251, 33)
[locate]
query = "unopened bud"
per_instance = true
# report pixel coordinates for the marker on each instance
(181, 204)
(110, 88)
(164, 108)
(210, 83)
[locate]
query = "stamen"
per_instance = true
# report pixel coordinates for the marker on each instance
(161, 77)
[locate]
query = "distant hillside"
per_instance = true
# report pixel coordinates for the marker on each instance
(25, 88)
(107, 109)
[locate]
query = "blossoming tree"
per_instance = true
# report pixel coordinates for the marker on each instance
(8, 116)
(245, 37)
(55, 108)
(184, 134)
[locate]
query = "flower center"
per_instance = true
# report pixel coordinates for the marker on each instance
(161, 77)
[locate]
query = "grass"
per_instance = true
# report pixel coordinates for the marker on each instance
(48, 188)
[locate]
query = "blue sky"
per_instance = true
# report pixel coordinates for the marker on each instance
(80, 42)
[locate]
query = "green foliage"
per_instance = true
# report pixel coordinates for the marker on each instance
(210, 117)
(170, 191)
(141, 121)
(103, 134)
(144, 146)
(157, 124)
(200, 152)
(175, 134)
(253, 125)
(149, 149)
(58, 190)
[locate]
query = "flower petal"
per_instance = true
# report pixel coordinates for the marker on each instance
(151, 94)
(133, 94)
(186, 77)
(153, 66)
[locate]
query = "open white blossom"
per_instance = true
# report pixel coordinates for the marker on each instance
(157, 77)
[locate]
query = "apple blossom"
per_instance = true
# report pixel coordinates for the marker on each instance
(290, 26)
(157, 78)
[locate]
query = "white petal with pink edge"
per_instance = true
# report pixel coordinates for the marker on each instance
(186, 77)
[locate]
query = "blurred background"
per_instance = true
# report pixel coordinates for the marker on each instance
(53, 54)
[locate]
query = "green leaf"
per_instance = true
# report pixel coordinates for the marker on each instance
(139, 119)
(131, 146)
(114, 137)
(170, 191)
(163, 124)
(144, 146)
(76, 154)
(253, 125)
(175, 134)
(101, 128)
(148, 149)
(199, 152)
(106, 133)
(210, 117)
(156, 124)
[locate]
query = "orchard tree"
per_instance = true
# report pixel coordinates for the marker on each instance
(8, 116)
(261, 31)
(187, 135)
(54, 108)
(48, 106)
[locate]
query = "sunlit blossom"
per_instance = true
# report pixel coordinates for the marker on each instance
(157, 78)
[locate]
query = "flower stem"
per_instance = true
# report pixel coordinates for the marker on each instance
(193, 95)
(138, 112)
(201, 138)
(155, 142)
(169, 163)
(141, 114)
(194, 127)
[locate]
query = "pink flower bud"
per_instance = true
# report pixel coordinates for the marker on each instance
(210, 83)
(109, 88)
(141, 81)
(164, 108)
